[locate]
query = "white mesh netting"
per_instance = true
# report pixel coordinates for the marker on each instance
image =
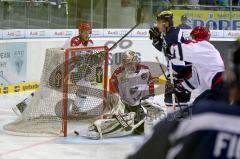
(85, 92)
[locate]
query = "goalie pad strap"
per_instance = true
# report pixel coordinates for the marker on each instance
(122, 122)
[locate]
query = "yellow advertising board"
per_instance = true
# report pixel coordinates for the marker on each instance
(215, 20)
(23, 87)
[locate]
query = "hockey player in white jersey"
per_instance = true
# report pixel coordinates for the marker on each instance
(207, 65)
(212, 131)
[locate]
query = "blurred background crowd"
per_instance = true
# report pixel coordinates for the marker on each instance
(67, 14)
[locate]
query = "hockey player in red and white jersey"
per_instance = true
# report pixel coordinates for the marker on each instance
(132, 81)
(80, 41)
(129, 85)
(83, 39)
(207, 65)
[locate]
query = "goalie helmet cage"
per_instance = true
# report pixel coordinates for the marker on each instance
(73, 86)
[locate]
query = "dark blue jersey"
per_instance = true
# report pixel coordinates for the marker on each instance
(185, 26)
(211, 132)
(174, 36)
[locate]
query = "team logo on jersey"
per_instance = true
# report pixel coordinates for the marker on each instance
(133, 90)
(138, 97)
(144, 76)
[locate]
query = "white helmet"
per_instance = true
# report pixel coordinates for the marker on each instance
(129, 60)
(129, 56)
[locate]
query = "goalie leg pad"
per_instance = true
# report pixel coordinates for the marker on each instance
(140, 117)
(109, 128)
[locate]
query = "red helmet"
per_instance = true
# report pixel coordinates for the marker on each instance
(200, 33)
(85, 26)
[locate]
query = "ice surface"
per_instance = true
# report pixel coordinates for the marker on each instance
(19, 147)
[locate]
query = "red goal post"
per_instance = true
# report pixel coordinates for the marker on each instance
(71, 52)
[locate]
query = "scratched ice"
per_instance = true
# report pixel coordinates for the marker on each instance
(19, 147)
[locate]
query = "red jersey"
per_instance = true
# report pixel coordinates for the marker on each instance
(77, 42)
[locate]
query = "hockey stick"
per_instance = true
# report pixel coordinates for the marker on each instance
(115, 44)
(171, 80)
(140, 19)
(161, 66)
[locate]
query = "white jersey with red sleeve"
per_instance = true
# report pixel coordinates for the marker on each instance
(132, 87)
(206, 61)
(77, 42)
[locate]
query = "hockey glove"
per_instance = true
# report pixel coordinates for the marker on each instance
(178, 86)
(154, 34)
(185, 72)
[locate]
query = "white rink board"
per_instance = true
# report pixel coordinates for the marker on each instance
(36, 51)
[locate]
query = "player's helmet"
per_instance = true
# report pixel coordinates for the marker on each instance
(165, 16)
(129, 60)
(200, 33)
(85, 26)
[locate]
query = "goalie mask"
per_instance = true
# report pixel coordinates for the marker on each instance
(129, 61)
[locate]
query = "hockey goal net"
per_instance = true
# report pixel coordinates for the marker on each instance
(73, 86)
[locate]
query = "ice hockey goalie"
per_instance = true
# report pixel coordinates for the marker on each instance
(130, 84)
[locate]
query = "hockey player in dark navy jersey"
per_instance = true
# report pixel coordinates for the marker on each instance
(163, 36)
(211, 132)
